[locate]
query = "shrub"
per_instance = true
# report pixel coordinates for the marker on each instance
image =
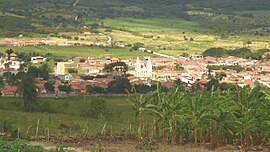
(97, 108)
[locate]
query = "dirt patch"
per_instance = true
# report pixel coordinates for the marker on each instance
(119, 144)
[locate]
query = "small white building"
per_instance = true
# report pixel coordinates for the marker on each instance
(38, 59)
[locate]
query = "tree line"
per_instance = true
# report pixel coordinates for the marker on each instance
(241, 52)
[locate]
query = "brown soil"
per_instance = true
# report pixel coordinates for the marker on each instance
(118, 144)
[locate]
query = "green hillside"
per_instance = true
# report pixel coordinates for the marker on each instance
(168, 26)
(62, 13)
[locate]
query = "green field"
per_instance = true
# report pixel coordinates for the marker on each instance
(68, 111)
(167, 35)
(83, 51)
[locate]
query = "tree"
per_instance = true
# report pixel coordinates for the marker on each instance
(9, 51)
(1, 82)
(179, 67)
(120, 85)
(120, 67)
(95, 89)
(49, 86)
(28, 91)
(65, 88)
(34, 71)
(215, 52)
(45, 69)
(138, 45)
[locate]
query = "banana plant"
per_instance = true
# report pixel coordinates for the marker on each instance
(140, 103)
(249, 108)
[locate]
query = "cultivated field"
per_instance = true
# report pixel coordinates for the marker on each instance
(73, 51)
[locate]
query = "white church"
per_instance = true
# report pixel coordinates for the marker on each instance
(144, 69)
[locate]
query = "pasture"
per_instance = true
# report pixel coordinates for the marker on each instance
(73, 51)
(71, 112)
(175, 36)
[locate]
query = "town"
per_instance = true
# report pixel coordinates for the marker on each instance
(79, 76)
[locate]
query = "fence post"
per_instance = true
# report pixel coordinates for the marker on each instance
(37, 129)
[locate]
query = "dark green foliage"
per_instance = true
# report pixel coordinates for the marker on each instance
(242, 53)
(28, 90)
(179, 67)
(72, 70)
(213, 83)
(238, 68)
(239, 52)
(219, 76)
(42, 71)
(257, 55)
(121, 85)
(215, 52)
(97, 108)
(87, 77)
(138, 45)
(144, 89)
(111, 67)
(95, 90)
(2, 82)
(65, 88)
(227, 87)
(49, 86)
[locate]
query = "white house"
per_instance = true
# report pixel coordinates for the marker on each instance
(38, 59)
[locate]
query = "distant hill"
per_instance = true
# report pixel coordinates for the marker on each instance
(36, 16)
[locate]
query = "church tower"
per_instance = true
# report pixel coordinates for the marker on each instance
(144, 69)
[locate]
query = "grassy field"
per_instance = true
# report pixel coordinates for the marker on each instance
(83, 51)
(167, 35)
(69, 111)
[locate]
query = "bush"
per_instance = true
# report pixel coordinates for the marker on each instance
(97, 108)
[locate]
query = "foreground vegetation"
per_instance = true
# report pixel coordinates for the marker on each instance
(75, 114)
(238, 116)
